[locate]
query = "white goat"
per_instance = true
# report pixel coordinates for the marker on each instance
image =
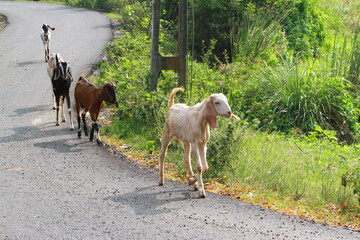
(54, 59)
(46, 38)
(190, 125)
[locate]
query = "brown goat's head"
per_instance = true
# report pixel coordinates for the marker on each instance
(108, 93)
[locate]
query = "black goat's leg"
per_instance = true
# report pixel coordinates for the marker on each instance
(98, 139)
(92, 131)
(57, 110)
(84, 123)
(62, 100)
(79, 126)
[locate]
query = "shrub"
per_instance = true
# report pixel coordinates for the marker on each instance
(295, 96)
(304, 29)
(257, 34)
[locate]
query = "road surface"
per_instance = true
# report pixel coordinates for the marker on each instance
(55, 186)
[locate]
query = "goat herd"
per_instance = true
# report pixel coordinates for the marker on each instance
(189, 125)
(87, 96)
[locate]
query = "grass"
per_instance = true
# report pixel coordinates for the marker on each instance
(293, 177)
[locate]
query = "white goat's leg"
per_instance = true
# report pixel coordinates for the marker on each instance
(47, 52)
(192, 177)
(54, 102)
(71, 122)
(199, 170)
(69, 111)
(202, 151)
(46, 49)
(165, 140)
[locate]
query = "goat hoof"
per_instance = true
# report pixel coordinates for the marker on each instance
(196, 188)
(71, 129)
(161, 183)
(192, 180)
(202, 194)
(98, 142)
(57, 124)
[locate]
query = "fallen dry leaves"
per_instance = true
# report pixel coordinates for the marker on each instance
(334, 215)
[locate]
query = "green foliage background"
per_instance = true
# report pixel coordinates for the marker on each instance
(290, 69)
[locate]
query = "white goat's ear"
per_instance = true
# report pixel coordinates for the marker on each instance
(210, 113)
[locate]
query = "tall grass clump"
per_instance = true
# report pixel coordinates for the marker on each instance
(354, 69)
(259, 33)
(294, 95)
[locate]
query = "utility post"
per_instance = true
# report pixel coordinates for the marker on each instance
(176, 62)
(155, 55)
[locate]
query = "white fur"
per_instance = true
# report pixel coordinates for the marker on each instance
(46, 39)
(190, 125)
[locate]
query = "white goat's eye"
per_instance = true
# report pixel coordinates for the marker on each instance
(217, 102)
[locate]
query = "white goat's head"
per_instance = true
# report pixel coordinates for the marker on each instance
(217, 105)
(221, 105)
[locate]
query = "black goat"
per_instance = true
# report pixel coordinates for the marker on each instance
(61, 81)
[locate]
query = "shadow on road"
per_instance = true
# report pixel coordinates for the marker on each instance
(61, 146)
(150, 200)
(22, 111)
(27, 63)
(46, 131)
(104, 26)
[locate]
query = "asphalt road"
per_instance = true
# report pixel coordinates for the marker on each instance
(55, 186)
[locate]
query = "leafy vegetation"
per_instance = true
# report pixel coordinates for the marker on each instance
(289, 68)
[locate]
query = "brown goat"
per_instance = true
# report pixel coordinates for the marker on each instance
(91, 98)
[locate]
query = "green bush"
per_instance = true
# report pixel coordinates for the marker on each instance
(304, 29)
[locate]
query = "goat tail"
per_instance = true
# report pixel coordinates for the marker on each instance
(56, 60)
(82, 77)
(172, 96)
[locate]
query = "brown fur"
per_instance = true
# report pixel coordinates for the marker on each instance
(91, 98)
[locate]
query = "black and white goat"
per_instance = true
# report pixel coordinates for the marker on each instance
(54, 59)
(61, 80)
(46, 38)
